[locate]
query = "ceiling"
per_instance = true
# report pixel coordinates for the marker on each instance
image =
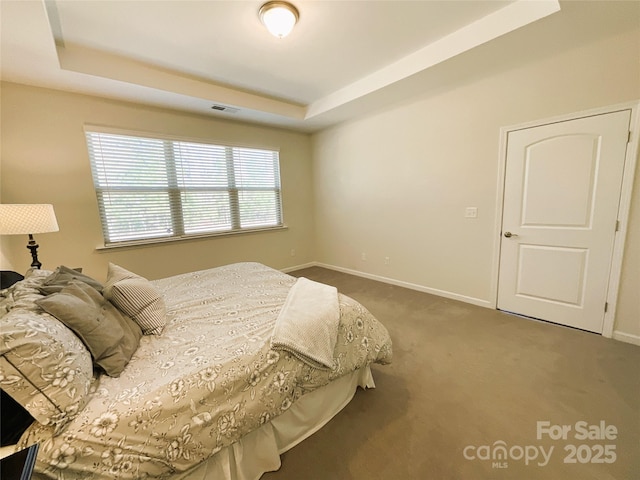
(341, 59)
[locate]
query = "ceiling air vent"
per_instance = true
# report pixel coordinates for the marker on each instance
(224, 108)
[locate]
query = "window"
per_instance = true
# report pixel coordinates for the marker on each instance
(153, 188)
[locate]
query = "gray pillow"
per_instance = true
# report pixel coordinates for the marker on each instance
(61, 277)
(110, 336)
(136, 297)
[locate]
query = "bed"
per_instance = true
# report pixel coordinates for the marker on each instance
(214, 386)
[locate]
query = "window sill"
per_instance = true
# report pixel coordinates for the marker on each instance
(149, 242)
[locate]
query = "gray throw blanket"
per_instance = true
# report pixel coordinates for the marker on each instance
(307, 325)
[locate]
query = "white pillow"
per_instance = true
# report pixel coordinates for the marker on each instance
(136, 297)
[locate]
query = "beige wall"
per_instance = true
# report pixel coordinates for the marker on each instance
(396, 184)
(628, 309)
(44, 160)
(4, 260)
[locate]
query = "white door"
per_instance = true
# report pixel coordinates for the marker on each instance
(562, 190)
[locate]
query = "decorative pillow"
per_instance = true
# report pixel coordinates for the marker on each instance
(61, 277)
(110, 336)
(43, 366)
(136, 297)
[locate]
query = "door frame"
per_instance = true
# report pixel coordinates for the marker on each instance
(631, 158)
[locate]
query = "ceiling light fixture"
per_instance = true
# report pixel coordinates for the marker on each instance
(279, 18)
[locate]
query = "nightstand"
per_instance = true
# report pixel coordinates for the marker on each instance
(8, 278)
(19, 466)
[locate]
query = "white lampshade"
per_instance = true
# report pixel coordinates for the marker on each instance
(279, 18)
(27, 219)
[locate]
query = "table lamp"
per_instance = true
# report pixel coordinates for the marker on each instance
(21, 219)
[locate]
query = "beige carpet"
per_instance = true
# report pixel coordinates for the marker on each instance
(466, 377)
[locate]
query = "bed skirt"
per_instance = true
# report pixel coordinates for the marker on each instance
(259, 451)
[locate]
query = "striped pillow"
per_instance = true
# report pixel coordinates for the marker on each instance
(136, 297)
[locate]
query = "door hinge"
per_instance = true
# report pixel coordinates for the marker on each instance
(606, 307)
(629, 137)
(617, 225)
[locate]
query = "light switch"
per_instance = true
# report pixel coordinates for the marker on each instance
(471, 212)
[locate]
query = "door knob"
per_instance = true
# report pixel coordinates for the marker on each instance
(509, 234)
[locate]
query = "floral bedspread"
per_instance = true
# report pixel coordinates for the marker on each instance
(209, 379)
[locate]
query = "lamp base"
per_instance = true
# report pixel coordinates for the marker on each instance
(33, 246)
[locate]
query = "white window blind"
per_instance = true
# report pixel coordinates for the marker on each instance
(150, 188)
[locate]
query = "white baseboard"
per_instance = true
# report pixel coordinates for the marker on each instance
(299, 267)
(626, 337)
(411, 286)
(617, 335)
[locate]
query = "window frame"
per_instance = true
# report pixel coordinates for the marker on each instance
(174, 191)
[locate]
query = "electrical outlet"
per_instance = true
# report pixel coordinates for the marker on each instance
(387, 260)
(363, 256)
(293, 252)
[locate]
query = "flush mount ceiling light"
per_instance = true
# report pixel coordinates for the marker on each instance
(278, 17)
